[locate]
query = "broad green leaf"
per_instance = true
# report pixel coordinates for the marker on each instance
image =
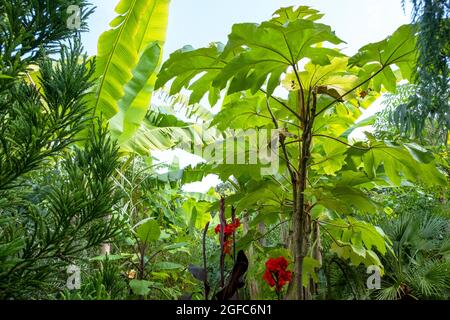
(243, 113)
(261, 192)
(193, 69)
(366, 122)
(404, 162)
(254, 53)
(148, 231)
(419, 153)
(431, 175)
(357, 244)
(197, 213)
(124, 52)
(244, 242)
(331, 157)
(355, 240)
(309, 270)
(278, 252)
(333, 77)
(160, 275)
(369, 164)
(319, 212)
(174, 246)
(359, 179)
(377, 59)
(140, 287)
(163, 265)
(134, 104)
(370, 235)
(224, 171)
(392, 169)
(269, 49)
(337, 119)
(291, 13)
(343, 199)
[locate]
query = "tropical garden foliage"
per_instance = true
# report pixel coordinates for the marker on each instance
(306, 206)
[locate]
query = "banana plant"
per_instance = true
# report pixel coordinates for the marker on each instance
(129, 56)
(288, 74)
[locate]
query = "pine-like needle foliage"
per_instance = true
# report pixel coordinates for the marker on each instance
(430, 103)
(57, 200)
(29, 27)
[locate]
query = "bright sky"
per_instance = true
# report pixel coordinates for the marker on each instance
(199, 22)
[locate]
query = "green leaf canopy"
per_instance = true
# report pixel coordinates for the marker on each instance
(128, 58)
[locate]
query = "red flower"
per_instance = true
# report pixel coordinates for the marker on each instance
(227, 246)
(276, 274)
(268, 278)
(229, 230)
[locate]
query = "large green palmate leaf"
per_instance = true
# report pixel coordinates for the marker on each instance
(243, 110)
(334, 79)
(186, 64)
(127, 60)
(242, 114)
(269, 49)
(343, 199)
(357, 240)
(377, 59)
(254, 52)
(402, 162)
(266, 196)
(291, 13)
(148, 230)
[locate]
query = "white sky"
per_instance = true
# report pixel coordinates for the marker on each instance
(199, 22)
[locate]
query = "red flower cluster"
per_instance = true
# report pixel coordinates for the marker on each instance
(228, 232)
(276, 273)
(229, 228)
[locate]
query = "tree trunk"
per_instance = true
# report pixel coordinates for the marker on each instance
(301, 215)
(316, 252)
(302, 224)
(286, 235)
(222, 241)
(253, 286)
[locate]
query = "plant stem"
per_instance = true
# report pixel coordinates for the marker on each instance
(222, 241)
(205, 281)
(302, 223)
